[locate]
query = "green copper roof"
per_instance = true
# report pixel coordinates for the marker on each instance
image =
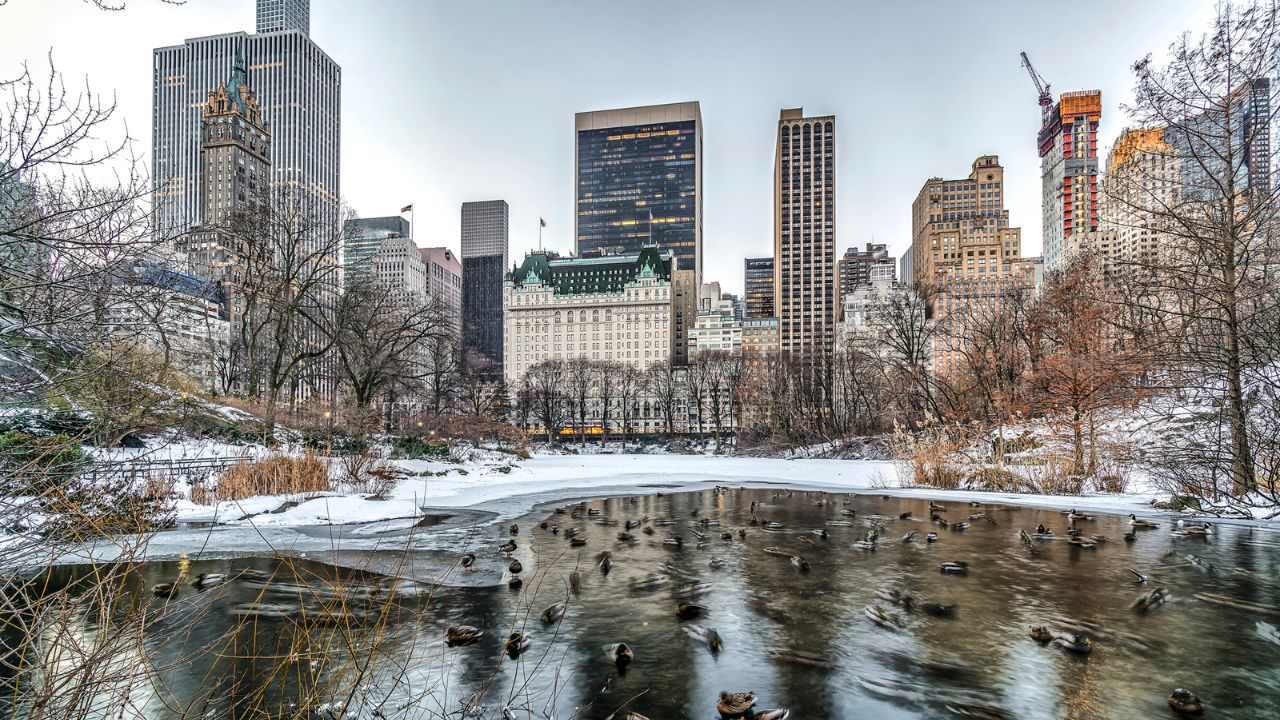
(608, 274)
(238, 77)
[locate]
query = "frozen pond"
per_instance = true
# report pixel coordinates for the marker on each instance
(295, 632)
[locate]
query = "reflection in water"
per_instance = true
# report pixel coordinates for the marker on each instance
(818, 622)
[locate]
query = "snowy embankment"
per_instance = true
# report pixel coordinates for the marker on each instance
(513, 490)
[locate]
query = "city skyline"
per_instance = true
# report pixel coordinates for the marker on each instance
(435, 157)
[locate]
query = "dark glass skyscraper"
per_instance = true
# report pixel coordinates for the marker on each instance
(485, 227)
(758, 283)
(639, 179)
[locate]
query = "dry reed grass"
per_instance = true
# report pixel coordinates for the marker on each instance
(277, 475)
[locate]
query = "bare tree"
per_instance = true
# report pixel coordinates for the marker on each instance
(286, 293)
(383, 339)
(1211, 286)
(903, 329)
(580, 379)
(665, 389)
(545, 383)
(631, 386)
(606, 382)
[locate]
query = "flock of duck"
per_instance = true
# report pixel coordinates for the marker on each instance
(734, 705)
(702, 531)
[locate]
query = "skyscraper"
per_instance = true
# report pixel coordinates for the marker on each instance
(276, 15)
(758, 285)
(1068, 145)
(485, 227)
(804, 232)
(638, 179)
(299, 88)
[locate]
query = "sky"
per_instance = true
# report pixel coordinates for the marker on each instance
(446, 101)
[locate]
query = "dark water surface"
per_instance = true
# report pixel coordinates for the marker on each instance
(797, 639)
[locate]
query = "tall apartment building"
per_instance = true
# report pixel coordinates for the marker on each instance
(444, 278)
(638, 180)
(276, 15)
(963, 245)
(485, 227)
(860, 267)
(1239, 127)
(235, 171)
(363, 236)
(907, 268)
(806, 289)
(1068, 146)
(758, 287)
(613, 307)
(299, 88)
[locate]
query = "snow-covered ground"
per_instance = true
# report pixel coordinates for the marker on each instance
(547, 478)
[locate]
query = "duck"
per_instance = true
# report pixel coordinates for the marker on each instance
(625, 537)
(1138, 524)
(620, 655)
(1077, 643)
(938, 609)
(647, 530)
(742, 534)
(515, 568)
(543, 525)
(689, 611)
(936, 508)
(881, 618)
(517, 642)
(166, 590)
(553, 613)
(773, 525)
(1130, 536)
(204, 581)
(735, 704)
(462, 635)
(961, 526)
(1073, 515)
(577, 541)
(631, 524)
(909, 537)
(1140, 579)
(931, 537)
(938, 520)
(955, 567)
(606, 564)
(515, 583)
(849, 513)
(726, 535)
(1150, 600)
(716, 563)
(800, 563)
(508, 547)
(776, 714)
(555, 529)
(1026, 541)
(864, 544)
(1040, 634)
(593, 511)
(705, 635)
(514, 529)
(1042, 530)
(1185, 703)
(1082, 542)
(676, 542)
(904, 516)
(1200, 530)
(897, 597)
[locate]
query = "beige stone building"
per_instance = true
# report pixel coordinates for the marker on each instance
(962, 245)
(615, 307)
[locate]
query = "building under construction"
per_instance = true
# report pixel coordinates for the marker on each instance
(1068, 145)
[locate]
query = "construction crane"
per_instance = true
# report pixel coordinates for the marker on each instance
(1045, 97)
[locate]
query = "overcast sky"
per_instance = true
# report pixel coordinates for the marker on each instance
(449, 101)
